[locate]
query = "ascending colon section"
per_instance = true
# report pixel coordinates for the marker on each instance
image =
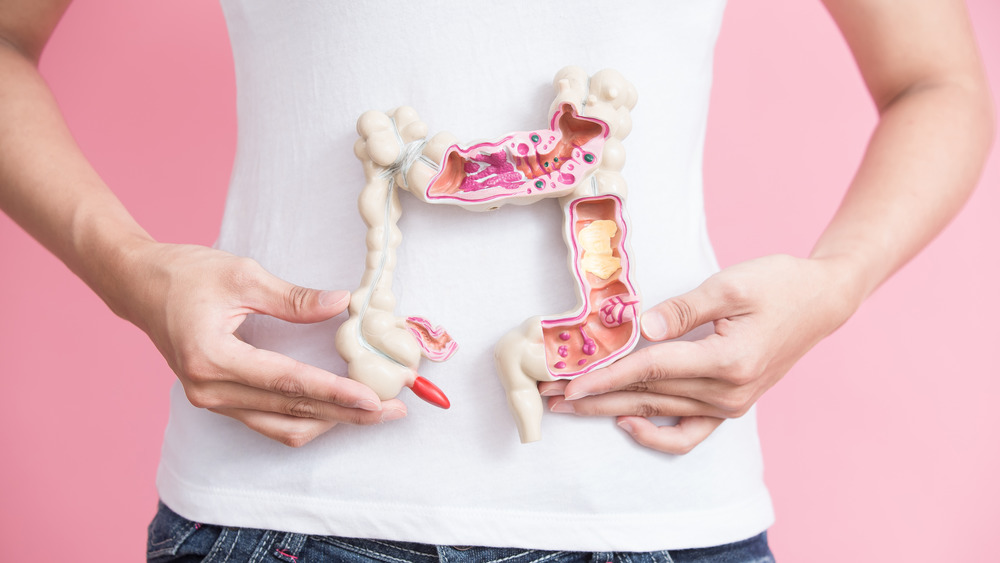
(604, 328)
(547, 163)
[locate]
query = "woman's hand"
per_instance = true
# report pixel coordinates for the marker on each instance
(766, 313)
(191, 300)
(936, 124)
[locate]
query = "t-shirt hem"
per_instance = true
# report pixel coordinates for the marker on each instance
(468, 525)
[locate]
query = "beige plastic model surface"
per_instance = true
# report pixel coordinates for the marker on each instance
(577, 159)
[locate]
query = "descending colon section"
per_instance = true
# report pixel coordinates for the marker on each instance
(604, 328)
(547, 162)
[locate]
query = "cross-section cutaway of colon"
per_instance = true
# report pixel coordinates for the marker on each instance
(578, 159)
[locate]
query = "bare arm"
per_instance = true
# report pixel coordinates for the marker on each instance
(920, 64)
(48, 187)
(190, 300)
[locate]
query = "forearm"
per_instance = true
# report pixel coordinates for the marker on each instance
(921, 66)
(922, 163)
(50, 189)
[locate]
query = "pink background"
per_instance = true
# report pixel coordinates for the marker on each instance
(881, 444)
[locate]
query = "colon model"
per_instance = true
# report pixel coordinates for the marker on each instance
(578, 160)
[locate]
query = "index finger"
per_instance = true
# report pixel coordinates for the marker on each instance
(271, 371)
(669, 360)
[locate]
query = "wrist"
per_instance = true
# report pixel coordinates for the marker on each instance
(109, 253)
(848, 279)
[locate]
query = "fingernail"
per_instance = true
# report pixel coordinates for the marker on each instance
(626, 426)
(653, 326)
(331, 298)
(564, 407)
(551, 393)
(369, 405)
(392, 414)
(578, 395)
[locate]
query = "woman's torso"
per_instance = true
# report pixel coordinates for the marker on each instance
(305, 72)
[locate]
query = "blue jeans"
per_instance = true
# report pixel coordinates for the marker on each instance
(174, 539)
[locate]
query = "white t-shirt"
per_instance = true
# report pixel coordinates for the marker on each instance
(305, 71)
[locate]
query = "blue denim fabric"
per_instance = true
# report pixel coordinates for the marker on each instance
(174, 539)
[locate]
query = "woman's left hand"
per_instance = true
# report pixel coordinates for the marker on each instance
(766, 313)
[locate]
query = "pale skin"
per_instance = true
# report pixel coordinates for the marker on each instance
(189, 299)
(920, 65)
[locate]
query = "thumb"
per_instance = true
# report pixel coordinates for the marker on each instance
(297, 304)
(682, 314)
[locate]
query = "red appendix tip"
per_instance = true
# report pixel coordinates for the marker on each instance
(429, 392)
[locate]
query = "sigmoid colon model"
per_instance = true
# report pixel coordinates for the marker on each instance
(578, 159)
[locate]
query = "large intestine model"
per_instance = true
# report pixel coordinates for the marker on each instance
(577, 159)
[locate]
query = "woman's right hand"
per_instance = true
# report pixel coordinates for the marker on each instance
(191, 300)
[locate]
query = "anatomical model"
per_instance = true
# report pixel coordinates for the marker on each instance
(577, 159)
